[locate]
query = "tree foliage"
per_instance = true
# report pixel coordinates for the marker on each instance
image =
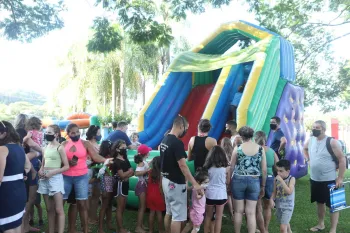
(27, 20)
(301, 23)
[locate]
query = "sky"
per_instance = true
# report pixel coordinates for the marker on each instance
(35, 65)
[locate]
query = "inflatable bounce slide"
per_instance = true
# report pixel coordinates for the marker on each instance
(202, 83)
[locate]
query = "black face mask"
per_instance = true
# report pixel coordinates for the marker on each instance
(228, 131)
(49, 137)
(122, 152)
(273, 126)
(75, 138)
(316, 132)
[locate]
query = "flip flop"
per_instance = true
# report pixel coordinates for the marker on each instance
(316, 229)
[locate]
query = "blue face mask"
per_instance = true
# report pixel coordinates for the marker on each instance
(98, 138)
(75, 138)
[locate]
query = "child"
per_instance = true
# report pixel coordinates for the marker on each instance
(134, 138)
(123, 171)
(226, 144)
(106, 186)
(197, 209)
(154, 199)
(33, 127)
(141, 186)
(235, 102)
(216, 192)
(283, 195)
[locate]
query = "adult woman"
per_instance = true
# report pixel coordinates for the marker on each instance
(93, 135)
(51, 180)
(77, 151)
(13, 162)
(263, 203)
(199, 146)
(249, 163)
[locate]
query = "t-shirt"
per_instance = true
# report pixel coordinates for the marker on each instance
(276, 140)
(145, 167)
(119, 135)
(236, 99)
(284, 200)
(119, 164)
(171, 151)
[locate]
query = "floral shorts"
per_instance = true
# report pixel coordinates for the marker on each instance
(107, 183)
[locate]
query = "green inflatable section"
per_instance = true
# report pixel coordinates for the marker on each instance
(133, 200)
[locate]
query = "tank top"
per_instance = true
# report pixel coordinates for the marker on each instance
(199, 151)
(270, 161)
(216, 189)
(248, 165)
(284, 200)
(322, 166)
(52, 157)
(81, 152)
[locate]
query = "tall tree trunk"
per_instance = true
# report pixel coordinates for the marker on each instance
(114, 93)
(143, 90)
(121, 89)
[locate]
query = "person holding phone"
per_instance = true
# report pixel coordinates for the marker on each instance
(77, 151)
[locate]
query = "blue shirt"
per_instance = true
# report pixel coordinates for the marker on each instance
(119, 135)
(276, 140)
(236, 99)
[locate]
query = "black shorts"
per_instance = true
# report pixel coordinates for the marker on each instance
(320, 192)
(215, 202)
(122, 188)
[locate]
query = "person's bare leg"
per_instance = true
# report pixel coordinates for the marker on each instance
(103, 210)
(188, 227)
(40, 211)
(121, 202)
(93, 205)
(250, 208)
(259, 216)
(321, 212)
(289, 229)
(334, 222)
(50, 209)
(72, 217)
(207, 219)
(238, 206)
(284, 228)
(160, 221)
(83, 213)
(219, 211)
(167, 223)
(175, 226)
(59, 210)
(29, 207)
(151, 220)
(267, 214)
(141, 212)
(230, 206)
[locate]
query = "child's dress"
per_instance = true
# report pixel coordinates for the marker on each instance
(141, 185)
(197, 209)
(154, 199)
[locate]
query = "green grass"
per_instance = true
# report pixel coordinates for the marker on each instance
(304, 216)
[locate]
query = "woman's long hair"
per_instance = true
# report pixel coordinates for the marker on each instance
(11, 134)
(20, 121)
(226, 144)
(216, 158)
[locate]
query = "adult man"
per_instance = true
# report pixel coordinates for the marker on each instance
(175, 173)
(323, 172)
(120, 133)
(279, 141)
(231, 129)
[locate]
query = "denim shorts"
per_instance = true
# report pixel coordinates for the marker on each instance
(245, 187)
(81, 186)
(52, 185)
(269, 186)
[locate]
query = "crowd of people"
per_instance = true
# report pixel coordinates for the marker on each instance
(242, 173)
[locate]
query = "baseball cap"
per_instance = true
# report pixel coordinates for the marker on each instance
(143, 149)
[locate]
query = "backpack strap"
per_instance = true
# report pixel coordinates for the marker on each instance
(330, 150)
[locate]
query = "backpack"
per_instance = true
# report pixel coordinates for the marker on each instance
(335, 159)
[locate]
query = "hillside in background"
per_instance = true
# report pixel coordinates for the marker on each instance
(12, 96)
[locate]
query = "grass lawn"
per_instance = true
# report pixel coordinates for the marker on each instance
(304, 216)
